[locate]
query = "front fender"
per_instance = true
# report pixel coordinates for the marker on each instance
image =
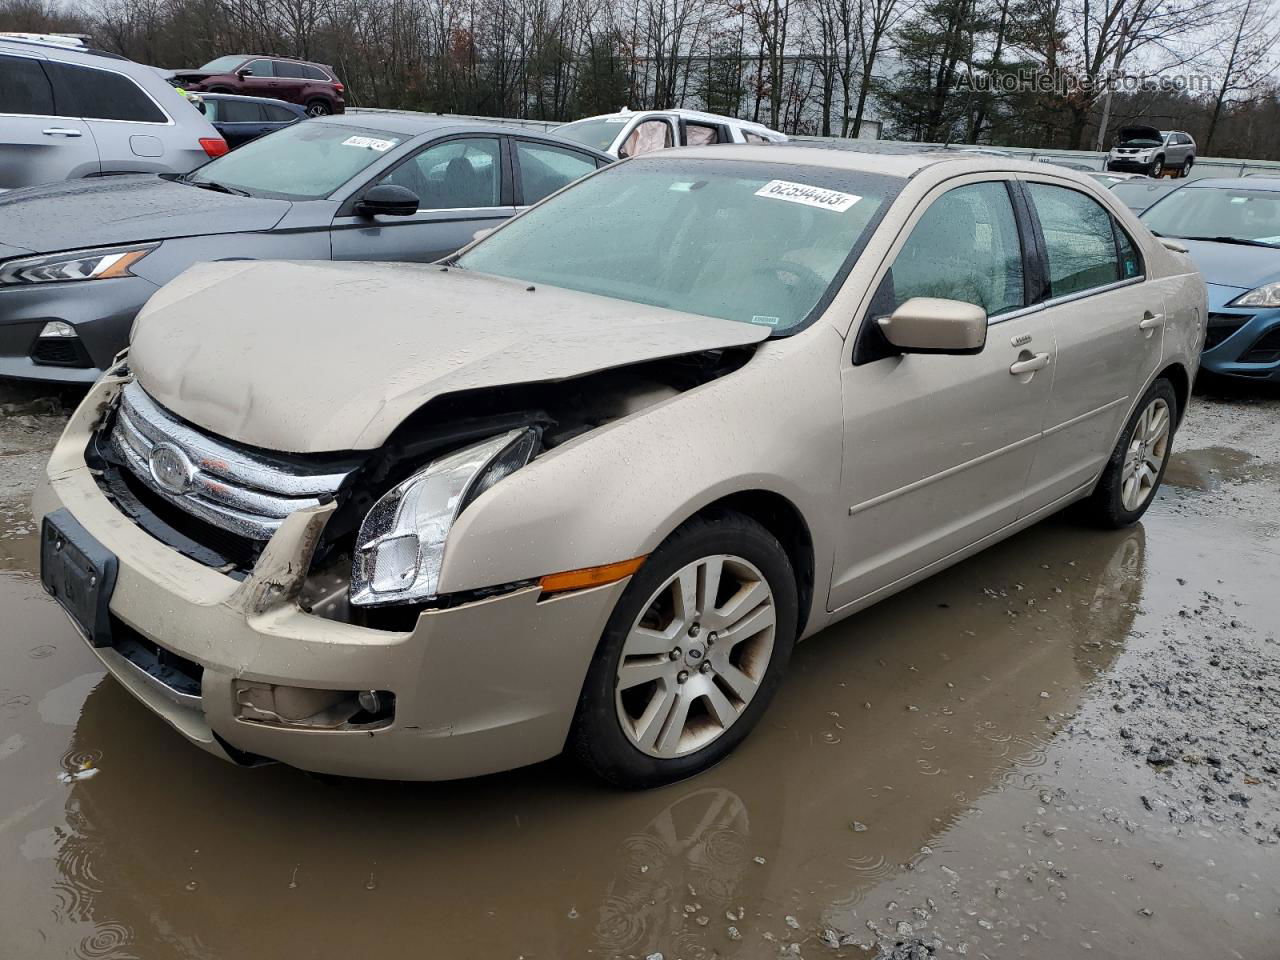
(619, 491)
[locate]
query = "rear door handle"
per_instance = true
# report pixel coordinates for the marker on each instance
(1151, 320)
(1038, 362)
(60, 132)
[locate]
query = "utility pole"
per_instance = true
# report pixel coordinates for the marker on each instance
(1111, 79)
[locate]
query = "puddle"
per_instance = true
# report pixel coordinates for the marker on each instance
(946, 768)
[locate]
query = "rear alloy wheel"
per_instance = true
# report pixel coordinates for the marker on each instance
(691, 656)
(318, 108)
(1129, 482)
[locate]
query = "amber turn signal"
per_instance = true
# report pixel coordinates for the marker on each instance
(590, 576)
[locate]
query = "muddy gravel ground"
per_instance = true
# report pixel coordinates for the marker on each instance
(1067, 746)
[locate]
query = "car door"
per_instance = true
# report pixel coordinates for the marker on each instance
(37, 145)
(542, 168)
(1108, 323)
(462, 186)
(937, 448)
(261, 80)
(290, 80)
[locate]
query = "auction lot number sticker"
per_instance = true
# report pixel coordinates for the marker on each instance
(373, 143)
(810, 196)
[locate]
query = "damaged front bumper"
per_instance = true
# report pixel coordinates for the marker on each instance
(238, 668)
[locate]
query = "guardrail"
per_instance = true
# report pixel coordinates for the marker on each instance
(1204, 166)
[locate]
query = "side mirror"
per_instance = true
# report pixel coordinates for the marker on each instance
(931, 325)
(244, 72)
(388, 200)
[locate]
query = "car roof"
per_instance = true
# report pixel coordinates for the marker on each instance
(687, 115)
(1240, 183)
(46, 45)
(417, 124)
(905, 165)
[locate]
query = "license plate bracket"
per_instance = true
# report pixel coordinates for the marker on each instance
(79, 573)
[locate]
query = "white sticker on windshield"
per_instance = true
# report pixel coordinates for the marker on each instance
(616, 119)
(809, 196)
(373, 143)
(767, 321)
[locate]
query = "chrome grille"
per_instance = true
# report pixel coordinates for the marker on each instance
(209, 479)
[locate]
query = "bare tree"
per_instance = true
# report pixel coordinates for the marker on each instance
(1245, 52)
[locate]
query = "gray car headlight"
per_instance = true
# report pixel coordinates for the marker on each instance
(100, 264)
(1268, 295)
(400, 548)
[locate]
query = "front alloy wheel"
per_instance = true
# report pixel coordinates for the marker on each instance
(696, 645)
(696, 656)
(1148, 449)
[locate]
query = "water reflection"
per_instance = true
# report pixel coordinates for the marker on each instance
(889, 729)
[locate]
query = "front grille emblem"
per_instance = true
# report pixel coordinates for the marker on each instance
(171, 469)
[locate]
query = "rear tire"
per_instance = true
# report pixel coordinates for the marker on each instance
(318, 108)
(691, 656)
(1133, 474)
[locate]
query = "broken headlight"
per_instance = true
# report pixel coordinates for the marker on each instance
(400, 548)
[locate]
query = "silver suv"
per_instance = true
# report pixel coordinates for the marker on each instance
(1143, 149)
(67, 111)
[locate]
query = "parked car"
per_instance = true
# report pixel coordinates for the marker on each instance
(584, 484)
(627, 134)
(71, 112)
(311, 85)
(1147, 150)
(241, 119)
(77, 260)
(1232, 231)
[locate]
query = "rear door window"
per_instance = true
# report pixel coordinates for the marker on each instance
(1079, 240)
(24, 88)
(101, 95)
(545, 169)
(238, 111)
(700, 134)
(290, 71)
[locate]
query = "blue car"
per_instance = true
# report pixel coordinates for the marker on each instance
(241, 119)
(1232, 230)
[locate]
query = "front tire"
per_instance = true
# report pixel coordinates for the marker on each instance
(1157, 168)
(1186, 168)
(1133, 474)
(691, 655)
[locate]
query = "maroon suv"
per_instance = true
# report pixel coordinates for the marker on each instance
(311, 85)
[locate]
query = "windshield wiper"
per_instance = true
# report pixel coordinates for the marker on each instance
(217, 187)
(1240, 240)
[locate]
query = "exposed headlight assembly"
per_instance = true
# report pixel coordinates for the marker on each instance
(100, 264)
(1268, 295)
(400, 548)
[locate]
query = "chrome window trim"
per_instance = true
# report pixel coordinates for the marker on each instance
(1067, 298)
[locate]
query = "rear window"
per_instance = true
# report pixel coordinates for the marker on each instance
(101, 95)
(24, 88)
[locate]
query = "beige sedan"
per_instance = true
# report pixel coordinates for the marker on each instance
(585, 484)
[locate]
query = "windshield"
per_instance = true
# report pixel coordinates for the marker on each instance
(306, 161)
(223, 64)
(758, 242)
(598, 133)
(1218, 212)
(1137, 195)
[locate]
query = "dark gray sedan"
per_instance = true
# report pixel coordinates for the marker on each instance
(78, 259)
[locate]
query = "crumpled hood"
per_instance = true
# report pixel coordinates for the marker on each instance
(1137, 131)
(1234, 264)
(309, 357)
(133, 208)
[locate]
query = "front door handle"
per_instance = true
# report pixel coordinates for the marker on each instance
(1151, 320)
(1030, 365)
(61, 132)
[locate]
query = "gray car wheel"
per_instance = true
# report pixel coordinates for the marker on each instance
(1157, 167)
(1133, 473)
(691, 656)
(318, 108)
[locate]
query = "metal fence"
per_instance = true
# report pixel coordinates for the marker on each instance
(1204, 166)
